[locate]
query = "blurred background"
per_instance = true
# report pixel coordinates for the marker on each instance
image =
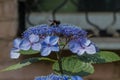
(100, 18)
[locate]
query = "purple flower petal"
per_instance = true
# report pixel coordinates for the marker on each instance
(91, 49)
(55, 48)
(47, 40)
(81, 51)
(16, 49)
(44, 44)
(36, 46)
(87, 43)
(16, 42)
(14, 55)
(33, 38)
(46, 51)
(54, 40)
(74, 47)
(25, 44)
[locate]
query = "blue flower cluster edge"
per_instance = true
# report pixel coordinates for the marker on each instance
(58, 77)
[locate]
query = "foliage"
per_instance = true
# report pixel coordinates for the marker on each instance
(100, 57)
(27, 62)
(28, 52)
(74, 66)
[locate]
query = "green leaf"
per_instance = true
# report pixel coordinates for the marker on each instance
(28, 52)
(73, 66)
(26, 62)
(61, 43)
(100, 57)
(16, 66)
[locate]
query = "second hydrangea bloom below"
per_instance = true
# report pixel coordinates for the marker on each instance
(58, 77)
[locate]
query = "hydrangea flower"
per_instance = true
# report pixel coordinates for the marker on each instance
(49, 44)
(14, 53)
(32, 42)
(58, 77)
(82, 47)
(45, 38)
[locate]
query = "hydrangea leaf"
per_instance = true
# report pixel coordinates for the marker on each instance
(73, 66)
(16, 66)
(100, 57)
(28, 52)
(26, 62)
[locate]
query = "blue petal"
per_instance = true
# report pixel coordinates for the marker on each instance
(45, 51)
(47, 40)
(33, 38)
(16, 42)
(91, 49)
(76, 78)
(15, 49)
(25, 44)
(55, 48)
(44, 44)
(81, 51)
(54, 40)
(87, 43)
(74, 47)
(36, 46)
(14, 55)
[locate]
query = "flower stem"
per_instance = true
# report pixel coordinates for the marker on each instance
(60, 58)
(60, 62)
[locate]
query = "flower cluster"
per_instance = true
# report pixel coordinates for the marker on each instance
(45, 39)
(58, 77)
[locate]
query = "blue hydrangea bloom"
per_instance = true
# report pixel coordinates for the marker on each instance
(49, 44)
(82, 47)
(32, 42)
(45, 38)
(58, 77)
(14, 53)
